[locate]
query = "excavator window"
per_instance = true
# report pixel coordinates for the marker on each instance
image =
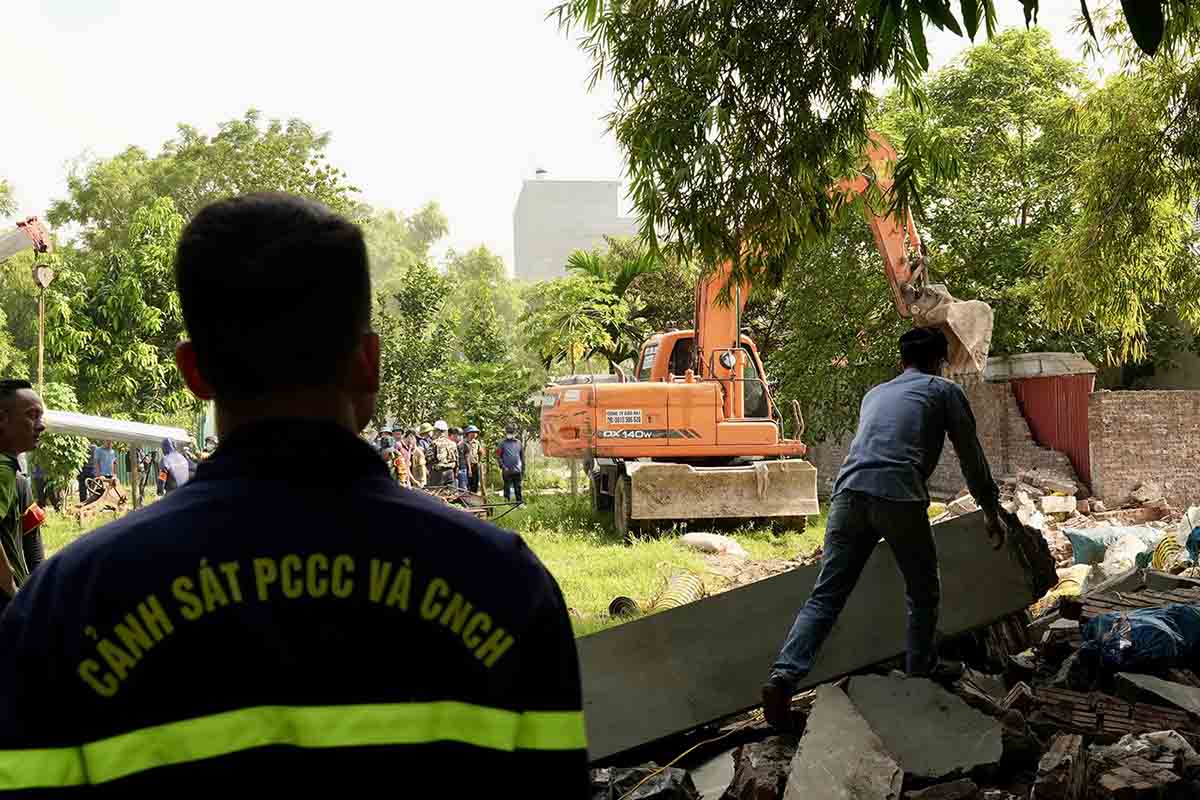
(681, 356)
(647, 362)
(756, 394)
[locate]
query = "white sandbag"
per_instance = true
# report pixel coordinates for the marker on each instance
(713, 543)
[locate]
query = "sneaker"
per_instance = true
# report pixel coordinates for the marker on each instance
(777, 702)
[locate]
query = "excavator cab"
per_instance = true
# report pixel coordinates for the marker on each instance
(670, 356)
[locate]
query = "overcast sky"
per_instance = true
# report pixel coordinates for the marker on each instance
(449, 100)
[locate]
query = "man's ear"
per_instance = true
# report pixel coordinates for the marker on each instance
(185, 359)
(364, 365)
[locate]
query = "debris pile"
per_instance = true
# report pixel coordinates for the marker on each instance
(1096, 698)
(1089, 542)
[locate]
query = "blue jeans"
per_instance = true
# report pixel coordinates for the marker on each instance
(855, 525)
(462, 479)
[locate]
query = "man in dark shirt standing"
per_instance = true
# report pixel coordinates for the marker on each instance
(881, 492)
(21, 429)
(299, 631)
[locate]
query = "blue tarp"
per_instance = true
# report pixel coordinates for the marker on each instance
(1147, 639)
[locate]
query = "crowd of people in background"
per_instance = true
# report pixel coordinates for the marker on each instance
(435, 455)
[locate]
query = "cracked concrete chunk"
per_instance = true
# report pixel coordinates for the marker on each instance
(932, 732)
(840, 757)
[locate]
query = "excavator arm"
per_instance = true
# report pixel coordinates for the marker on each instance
(967, 324)
(29, 234)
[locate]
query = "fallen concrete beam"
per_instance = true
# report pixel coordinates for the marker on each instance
(840, 757)
(680, 669)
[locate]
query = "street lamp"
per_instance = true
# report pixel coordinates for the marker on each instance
(43, 276)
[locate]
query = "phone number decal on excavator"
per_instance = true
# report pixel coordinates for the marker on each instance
(651, 433)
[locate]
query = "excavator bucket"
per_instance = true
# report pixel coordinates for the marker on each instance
(966, 323)
(765, 489)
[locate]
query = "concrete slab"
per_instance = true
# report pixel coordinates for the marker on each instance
(932, 732)
(1176, 694)
(679, 669)
(840, 757)
(713, 777)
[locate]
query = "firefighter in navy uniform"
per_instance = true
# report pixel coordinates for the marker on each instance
(270, 628)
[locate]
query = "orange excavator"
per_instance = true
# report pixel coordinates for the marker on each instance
(694, 433)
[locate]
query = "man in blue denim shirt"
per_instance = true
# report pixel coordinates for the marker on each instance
(881, 492)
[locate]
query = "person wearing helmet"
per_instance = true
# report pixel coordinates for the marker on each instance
(426, 441)
(445, 456)
(472, 458)
(461, 474)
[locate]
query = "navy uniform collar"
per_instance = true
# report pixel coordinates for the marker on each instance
(322, 450)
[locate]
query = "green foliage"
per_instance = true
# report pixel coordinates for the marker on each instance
(60, 456)
(570, 318)
(8, 205)
(116, 334)
(621, 268)
(491, 395)
(736, 118)
(830, 330)
(416, 331)
(482, 339)
(479, 278)
(830, 333)
(194, 169)
(396, 242)
(1130, 251)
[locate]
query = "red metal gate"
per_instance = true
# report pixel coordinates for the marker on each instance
(1056, 409)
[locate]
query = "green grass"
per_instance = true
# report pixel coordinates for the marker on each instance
(593, 565)
(59, 530)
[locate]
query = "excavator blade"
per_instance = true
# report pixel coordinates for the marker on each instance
(665, 491)
(966, 323)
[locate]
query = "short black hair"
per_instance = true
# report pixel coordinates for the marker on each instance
(275, 292)
(923, 348)
(10, 386)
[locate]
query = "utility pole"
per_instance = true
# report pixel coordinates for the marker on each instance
(43, 276)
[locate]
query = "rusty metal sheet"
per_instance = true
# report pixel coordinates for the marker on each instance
(1056, 409)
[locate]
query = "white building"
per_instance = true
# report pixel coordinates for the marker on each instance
(553, 218)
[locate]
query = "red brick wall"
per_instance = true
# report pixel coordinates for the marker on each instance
(1139, 436)
(1003, 432)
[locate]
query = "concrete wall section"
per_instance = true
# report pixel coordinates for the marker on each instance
(1139, 436)
(553, 218)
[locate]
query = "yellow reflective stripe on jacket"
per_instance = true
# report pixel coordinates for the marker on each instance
(42, 769)
(551, 730)
(295, 726)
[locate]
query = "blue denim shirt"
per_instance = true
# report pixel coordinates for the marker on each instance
(902, 427)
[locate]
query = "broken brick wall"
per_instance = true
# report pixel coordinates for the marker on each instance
(1140, 436)
(1003, 432)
